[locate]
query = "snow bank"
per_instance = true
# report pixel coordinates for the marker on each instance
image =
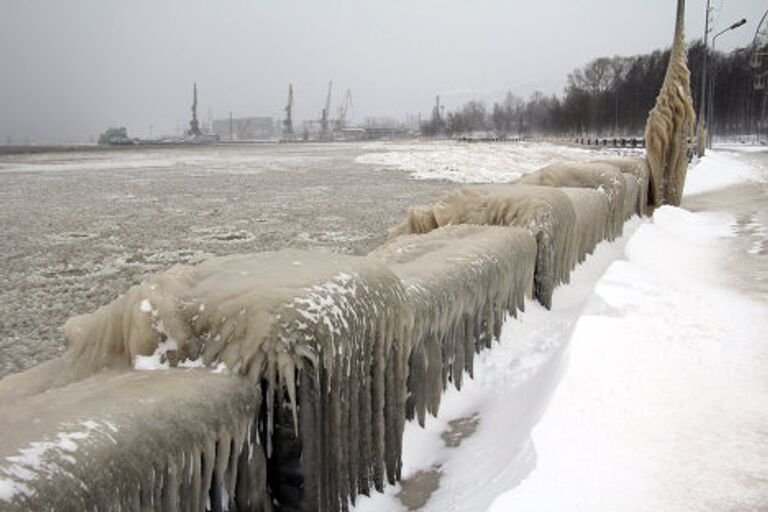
(720, 169)
(632, 429)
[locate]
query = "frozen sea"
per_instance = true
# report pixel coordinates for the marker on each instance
(79, 228)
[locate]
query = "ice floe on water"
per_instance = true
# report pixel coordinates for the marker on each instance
(473, 163)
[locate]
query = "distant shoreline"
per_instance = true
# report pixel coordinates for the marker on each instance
(70, 148)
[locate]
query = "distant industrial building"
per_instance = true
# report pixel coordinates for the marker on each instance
(245, 128)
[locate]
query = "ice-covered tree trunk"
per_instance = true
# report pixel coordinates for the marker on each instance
(670, 122)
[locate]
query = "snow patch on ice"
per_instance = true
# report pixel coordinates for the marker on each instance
(158, 360)
(220, 368)
(192, 363)
(44, 458)
(145, 306)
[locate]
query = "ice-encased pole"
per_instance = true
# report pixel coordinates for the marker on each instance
(669, 124)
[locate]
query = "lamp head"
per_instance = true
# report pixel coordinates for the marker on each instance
(738, 24)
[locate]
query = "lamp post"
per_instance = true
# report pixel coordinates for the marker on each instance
(703, 98)
(711, 103)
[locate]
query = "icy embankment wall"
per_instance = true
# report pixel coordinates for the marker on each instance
(325, 355)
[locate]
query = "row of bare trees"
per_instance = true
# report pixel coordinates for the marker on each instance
(612, 96)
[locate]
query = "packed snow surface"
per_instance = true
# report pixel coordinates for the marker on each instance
(720, 169)
(643, 389)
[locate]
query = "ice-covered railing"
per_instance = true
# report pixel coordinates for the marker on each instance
(165, 440)
(547, 211)
(460, 282)
(597, 175)
(321, 338)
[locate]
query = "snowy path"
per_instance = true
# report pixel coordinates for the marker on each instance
(664, 402)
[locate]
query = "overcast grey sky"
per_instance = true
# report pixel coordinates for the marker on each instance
(69, 69)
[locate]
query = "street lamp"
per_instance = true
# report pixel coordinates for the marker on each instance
(703, 97)
(711, 103)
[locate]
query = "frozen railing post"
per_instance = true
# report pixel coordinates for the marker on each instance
(670, 122)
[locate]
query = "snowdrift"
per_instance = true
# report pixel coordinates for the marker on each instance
(461, 282)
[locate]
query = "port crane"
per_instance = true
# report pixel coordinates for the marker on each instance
(324, 116)
(288, 121)
(343, 112)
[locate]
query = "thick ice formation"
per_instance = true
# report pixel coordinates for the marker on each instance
(670, 122)
(460, 281)
(167, 441)
(326, 336)
(592, 208)
(545, 212)
(597, 175)
(636, 167)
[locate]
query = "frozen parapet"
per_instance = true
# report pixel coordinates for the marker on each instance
(461, 281)
(165, 440)
(546, 212)
(604, 177)
(591, 208)
(637, 168)
(323, 338)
